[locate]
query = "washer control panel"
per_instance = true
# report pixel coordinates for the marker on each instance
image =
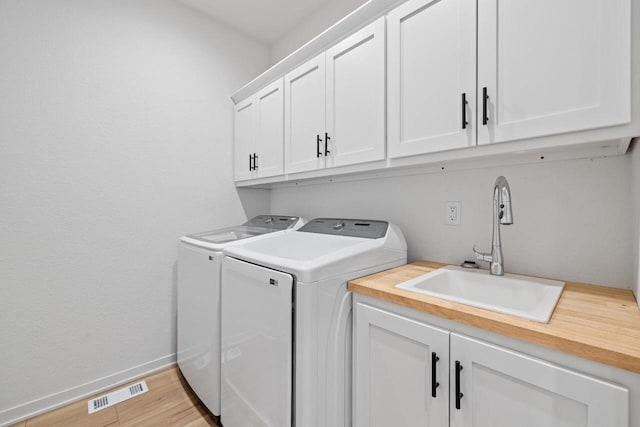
(369, 229)
(277, 222)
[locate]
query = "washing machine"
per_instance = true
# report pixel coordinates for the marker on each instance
(286, 321)
(199, 261)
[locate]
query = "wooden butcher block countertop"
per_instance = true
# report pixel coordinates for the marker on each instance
(592, 322)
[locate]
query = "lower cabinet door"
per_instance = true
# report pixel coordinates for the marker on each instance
(495, 387)
(400, 371)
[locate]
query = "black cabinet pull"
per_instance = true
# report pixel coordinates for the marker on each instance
(434, 383)
(458, 393)
(485, 98)
(326, 142)
(318, 141)
(255, 163)
(250, 162)
(464, 111)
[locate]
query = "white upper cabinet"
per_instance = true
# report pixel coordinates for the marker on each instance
(434, 79)
(431, 76)
(304, 111)
(258, 134)
(550, 67)
(334, 116)
(356, 97)
(270, 130)
(494, 387)
(244, 136)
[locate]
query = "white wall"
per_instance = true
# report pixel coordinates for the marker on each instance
(115, 139)
(572, 218)
(322, 19)
(635, 191)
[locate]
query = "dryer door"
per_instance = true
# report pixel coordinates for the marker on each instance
(256, 345)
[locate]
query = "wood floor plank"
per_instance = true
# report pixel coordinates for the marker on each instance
(168, 397)
(20, 424)
(75, 415)
(169, 402)
(191, 416)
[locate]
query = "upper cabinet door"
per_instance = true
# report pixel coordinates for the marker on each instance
(493, 386)
(270, 130)
(304, 116)
(431, 76)
(552, 66)
(356, 97)
(244, 134)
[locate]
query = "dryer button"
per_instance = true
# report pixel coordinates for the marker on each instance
(338, 226)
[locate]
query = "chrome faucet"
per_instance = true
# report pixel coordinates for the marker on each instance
(502, 214)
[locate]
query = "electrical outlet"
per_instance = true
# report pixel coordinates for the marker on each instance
(452, 213)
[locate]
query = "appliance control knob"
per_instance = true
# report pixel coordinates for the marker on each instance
(268, 220)
(338, 226)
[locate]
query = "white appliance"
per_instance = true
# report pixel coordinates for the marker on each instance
(286, 321)
(199, 260)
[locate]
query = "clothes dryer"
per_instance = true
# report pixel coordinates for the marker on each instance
(199, 261)
(286, 321)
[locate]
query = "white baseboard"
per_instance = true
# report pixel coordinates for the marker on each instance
(65, 397)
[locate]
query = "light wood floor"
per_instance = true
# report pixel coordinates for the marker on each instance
(169, 402)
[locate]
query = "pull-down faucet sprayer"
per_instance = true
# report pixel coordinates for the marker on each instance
(502, 214)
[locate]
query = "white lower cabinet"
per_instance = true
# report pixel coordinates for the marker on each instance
(401, 371)
(503, 388)
(398, 382)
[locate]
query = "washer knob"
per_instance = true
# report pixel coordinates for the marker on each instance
(268, 220)
(338, 226)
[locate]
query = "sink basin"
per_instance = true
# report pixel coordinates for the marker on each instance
(522, 296)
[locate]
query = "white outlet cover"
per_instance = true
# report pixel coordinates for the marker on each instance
(453, 212)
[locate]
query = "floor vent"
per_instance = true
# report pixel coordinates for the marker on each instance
(117, 396)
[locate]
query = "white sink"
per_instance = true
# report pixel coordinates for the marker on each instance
(522, 296)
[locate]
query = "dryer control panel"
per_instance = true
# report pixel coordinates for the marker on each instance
(365, 228)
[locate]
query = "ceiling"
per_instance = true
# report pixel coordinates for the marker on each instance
(267, 21)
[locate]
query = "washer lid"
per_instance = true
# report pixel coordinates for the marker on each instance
(256, 226)
(230, 234)
(313, 256)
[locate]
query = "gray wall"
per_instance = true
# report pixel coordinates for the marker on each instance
(116, 138)
(315, 24)
(572, 218)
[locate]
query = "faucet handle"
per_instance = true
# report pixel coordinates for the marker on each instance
(482, 256)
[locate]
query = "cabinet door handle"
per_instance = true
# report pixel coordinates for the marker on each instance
(434, 382)
(326, 142)
(464, 111)
(255, 161)
(485, 98)
(250, 162)
(318, 141)
(458, 393)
